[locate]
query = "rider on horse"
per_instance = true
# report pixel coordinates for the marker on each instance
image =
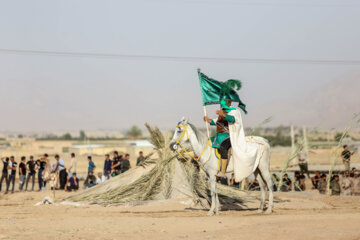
(221, 140)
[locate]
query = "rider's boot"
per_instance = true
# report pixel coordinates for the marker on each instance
(223, 168)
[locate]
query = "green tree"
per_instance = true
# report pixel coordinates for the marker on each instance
(82, 135)
(339, 135)
(134, 132)
(67, 136)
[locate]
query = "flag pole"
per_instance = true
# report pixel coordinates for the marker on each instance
(205, 112)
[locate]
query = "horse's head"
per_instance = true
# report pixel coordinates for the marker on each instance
(180, 134)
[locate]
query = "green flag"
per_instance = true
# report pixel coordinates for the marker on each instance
(210, 91)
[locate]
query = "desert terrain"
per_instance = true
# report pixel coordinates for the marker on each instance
(296, 216)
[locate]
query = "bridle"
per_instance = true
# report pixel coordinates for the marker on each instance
(177, 141)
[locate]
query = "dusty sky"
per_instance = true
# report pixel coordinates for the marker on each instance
(46, 92)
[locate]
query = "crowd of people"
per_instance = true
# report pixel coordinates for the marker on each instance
(348, 185)
(57, 176)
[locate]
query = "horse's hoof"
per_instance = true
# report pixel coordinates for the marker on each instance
(269, 211)
(210, 213)
(260, 210)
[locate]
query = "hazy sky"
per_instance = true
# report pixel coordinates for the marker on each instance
(53, 92)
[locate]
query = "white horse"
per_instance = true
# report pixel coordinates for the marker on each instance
(186, 133)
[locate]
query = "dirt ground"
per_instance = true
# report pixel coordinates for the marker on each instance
(296, 216)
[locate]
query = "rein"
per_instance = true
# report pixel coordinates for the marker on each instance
(185, 132)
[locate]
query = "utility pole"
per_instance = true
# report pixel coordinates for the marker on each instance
(292, 134)
(306, 144)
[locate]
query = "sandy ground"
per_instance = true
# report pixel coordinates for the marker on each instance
(297, 216)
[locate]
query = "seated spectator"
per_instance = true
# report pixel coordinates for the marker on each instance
(297, 182)
(90, 180)
(335, 186)
(315, 180)
(301, 184)
(275, 179)
(140, 159)
(347, 184)
(353, 171)
(254, 185)
(100, 178)
(322, 184)
(356, 184)
(73, 183)
(232, 182)
(286, 184)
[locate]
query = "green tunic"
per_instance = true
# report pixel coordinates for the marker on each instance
(221, 136)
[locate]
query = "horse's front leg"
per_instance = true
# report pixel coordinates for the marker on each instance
(213, 209)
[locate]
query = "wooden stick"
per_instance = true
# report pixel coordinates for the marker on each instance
(205, 112)
(207, 124)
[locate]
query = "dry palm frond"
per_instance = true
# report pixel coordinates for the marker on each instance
(156, 138)
(255, 131)
(159, 180)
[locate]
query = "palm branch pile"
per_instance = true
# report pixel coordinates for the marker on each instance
(167, 176)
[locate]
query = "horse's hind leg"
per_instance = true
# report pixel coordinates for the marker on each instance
(265, 173)
(258, 176)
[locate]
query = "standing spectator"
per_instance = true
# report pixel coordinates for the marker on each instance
(107, 166)
(356, 184)
(335, 186)
(322, 184)
(73, 183)
(346, 155)
(125, 163)
(286, 184)
(54, 174)
(100, 178)
(315, 180)
(303, 163)
(4, 174)
(31, 173)
(346, 184)
(38, 163)
(41, 167)
(91, 167)
(47, 169)
(22, 173)
(116, 164)
(90, 180)
(140, 159)
(62, 171)
(73, 164)
(12, 166)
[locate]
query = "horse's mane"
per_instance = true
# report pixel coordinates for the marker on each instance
(199, 135)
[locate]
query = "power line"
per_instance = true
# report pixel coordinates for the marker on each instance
(179, 58)
(266, 3)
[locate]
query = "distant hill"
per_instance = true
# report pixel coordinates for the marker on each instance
(330, 106)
